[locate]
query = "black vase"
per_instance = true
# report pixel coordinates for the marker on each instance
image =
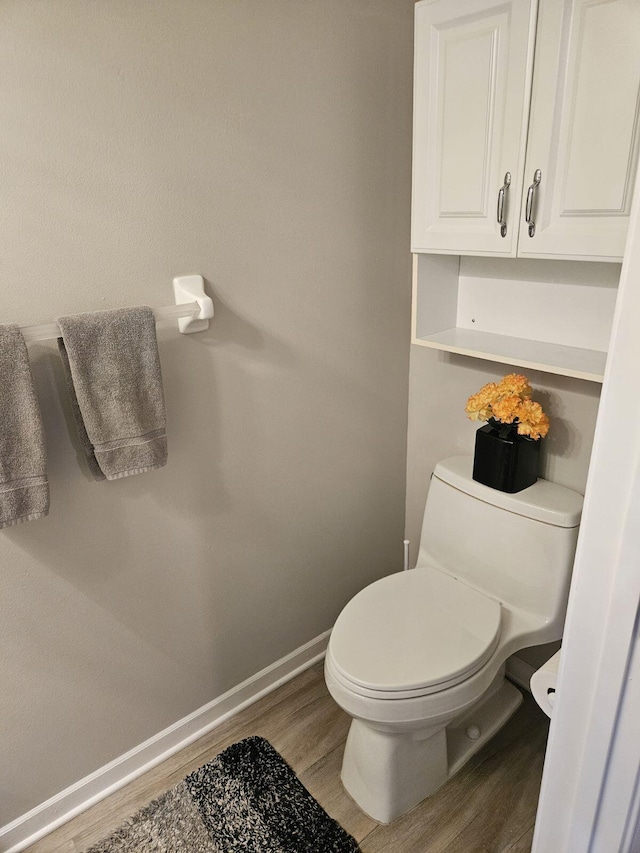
(505, 460)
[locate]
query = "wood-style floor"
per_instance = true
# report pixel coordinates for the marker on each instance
(488, 807)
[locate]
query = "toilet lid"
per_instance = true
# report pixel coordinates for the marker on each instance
(414, 630)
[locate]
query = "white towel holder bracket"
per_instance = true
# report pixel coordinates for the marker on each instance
(189, 289)
(193, 309)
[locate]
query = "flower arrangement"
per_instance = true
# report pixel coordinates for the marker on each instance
(508, 407)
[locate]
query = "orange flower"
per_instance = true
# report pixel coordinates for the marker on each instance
(478, 406)
(532, 421)
(509, 402)
(515, 383)
(505, 409)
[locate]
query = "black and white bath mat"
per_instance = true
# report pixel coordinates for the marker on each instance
(247, 799)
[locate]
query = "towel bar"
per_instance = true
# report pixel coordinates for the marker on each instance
(194, 316)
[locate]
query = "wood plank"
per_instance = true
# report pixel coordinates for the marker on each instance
(522, 845)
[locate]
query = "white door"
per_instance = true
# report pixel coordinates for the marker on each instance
(473, 61)
(583, 129)
(590, 796)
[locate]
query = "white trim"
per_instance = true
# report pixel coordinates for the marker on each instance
(634, 844)
(51, 814)
(583, 767)
(619, 807)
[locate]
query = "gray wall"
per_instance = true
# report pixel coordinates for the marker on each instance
(266, 145)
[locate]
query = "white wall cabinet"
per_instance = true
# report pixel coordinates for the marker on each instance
(476, 78)
(583, 128)
(471, 84)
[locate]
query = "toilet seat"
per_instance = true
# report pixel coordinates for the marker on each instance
(411, 634)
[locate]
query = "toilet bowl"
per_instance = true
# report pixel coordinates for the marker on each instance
(417, 658)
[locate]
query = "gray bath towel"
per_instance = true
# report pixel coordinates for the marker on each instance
(24, 488)
(113, 372)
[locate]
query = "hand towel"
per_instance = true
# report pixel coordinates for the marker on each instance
(24, 488)
(113, 373)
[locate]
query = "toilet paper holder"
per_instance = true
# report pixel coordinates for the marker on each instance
(544, 682)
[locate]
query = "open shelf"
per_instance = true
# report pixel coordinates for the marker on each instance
(552, 316)
(530, 355)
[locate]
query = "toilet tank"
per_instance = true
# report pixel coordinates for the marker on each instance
(516, 548)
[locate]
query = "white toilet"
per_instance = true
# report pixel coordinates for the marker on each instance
(417, 658)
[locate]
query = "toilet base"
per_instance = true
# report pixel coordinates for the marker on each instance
(388, 772)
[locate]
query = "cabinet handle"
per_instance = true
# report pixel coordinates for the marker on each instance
(528, 212)
(501, 194)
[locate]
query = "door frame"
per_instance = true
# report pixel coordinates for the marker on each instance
(590, 796)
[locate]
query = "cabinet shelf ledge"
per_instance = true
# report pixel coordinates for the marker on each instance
(528, 354)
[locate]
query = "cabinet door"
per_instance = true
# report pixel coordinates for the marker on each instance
(583, 130)
(473, 61)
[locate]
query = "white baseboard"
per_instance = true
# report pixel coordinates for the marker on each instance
(51, 814)
(520, 672)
